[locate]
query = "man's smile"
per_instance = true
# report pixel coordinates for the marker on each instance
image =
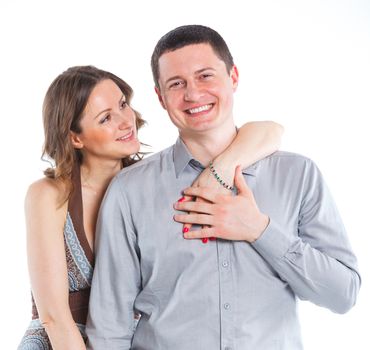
(200, 109)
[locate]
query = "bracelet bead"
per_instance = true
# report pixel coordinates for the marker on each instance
(218, 178)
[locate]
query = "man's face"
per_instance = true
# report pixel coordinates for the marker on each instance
(196, 89)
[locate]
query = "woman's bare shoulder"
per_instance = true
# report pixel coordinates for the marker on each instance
(46, 191)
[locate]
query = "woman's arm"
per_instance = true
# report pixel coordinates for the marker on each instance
(254, 141)
(47, 264)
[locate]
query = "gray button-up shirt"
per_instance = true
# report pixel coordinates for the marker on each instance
(223, 294)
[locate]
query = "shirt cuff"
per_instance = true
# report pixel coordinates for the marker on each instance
(273, 243)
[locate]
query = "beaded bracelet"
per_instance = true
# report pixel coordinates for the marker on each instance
(217, 177)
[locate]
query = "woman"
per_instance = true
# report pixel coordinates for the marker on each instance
(90, 135)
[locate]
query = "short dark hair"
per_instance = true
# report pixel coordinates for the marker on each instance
(190, 35)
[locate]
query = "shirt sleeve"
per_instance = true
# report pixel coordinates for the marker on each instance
(116, 279)
(318, 262)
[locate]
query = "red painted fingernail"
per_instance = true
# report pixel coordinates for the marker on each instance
(204, 239)
(212, 238)
(181, 199)
(185, 229)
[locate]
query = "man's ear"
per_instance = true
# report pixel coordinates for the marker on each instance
(76, 141)
(234, 75)
(158, 92)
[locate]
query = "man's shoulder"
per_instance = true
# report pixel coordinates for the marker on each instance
(282, 160)
(287, 171)
(287, 157)
(148, 164)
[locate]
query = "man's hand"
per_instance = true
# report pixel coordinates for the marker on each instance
(227, 217)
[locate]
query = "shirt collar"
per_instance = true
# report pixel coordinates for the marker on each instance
(182, 157)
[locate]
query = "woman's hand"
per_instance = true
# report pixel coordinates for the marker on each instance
(254, 141)
(223, 216)
(206, 180)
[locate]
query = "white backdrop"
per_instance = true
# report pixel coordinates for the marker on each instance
(305, 64)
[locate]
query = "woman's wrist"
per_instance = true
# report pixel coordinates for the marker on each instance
(225, 169)
(221, 179)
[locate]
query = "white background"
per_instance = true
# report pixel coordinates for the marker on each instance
(305, 64)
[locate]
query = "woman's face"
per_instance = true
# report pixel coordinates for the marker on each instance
(108, 125)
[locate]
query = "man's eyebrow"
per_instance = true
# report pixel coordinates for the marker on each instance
(204, 69)
(172, 78)
(196, 72)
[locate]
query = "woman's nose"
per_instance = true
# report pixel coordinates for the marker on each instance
(123, 120)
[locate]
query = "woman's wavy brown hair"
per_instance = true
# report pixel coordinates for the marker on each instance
(63, 108)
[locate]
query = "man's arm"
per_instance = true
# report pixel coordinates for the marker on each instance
(317, 263)
(116, 279)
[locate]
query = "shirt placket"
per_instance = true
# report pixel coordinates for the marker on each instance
(227, 296)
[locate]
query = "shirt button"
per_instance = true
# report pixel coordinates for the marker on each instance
(225, 263)
(227, 306)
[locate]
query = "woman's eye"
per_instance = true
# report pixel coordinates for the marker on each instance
(123, 104)
(105, 119)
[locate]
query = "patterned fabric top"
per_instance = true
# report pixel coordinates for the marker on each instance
(79, 255)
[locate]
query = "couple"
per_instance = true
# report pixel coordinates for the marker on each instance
(219, 272)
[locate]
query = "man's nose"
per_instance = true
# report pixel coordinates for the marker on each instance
(192, 92)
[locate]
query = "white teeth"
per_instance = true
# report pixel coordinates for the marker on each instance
(199, 109)
(126, 136)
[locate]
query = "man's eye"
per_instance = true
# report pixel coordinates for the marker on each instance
(206, 75)
(176, 84)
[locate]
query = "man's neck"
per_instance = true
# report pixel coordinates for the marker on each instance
(206, 147)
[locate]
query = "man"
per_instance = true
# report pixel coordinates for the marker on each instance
(279, 238)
